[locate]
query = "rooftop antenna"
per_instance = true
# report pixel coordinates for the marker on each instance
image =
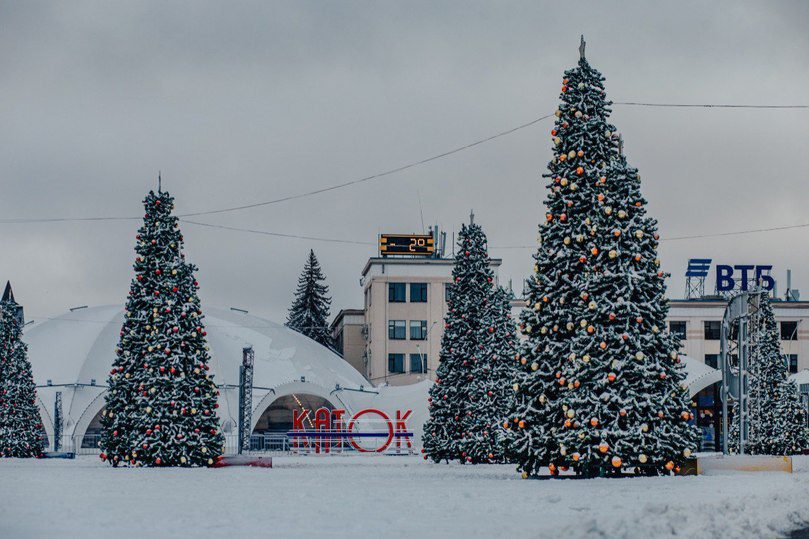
(421, 210)
(582, 44)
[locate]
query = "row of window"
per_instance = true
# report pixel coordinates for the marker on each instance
(712, 360)
(789, 330)
(397, 330)
(418, 363)
(397, 292)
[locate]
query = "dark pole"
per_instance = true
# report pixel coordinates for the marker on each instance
(245, 399)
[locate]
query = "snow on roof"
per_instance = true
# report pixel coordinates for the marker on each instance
(698, 375)
(78, 347)
(801, 377)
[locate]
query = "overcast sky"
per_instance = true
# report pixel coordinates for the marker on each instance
(239, 102)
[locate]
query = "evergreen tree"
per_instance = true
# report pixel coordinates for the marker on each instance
(493, 372)
(21, 431)
(777, 417)
(309, 312)
(451, 415)
(160, 407)
(602, 385)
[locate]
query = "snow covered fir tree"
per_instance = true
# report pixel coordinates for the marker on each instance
(161, 404)
(461, 424)
(777, 419)
(602, 381)
(21, 430)
(309, 312)
(493, 372)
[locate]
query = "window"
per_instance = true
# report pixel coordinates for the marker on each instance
(396, 292)
(418, 292)
(418, 363)
(677, 327)
(447, 289)
(789, 331)
(397, 330)
(418, 330)
(712, 360)
(792, 363)
(712, 330)
(396, 363)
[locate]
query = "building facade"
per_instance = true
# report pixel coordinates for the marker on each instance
(349, 337)
(405, 301)
(697, 322)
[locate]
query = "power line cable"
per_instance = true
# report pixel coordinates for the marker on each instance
(695, 236)
(397, 169)
(299, 195)
(709, 105)
(277, 234)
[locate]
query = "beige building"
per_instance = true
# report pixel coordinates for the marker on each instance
(697, 321)
(349, 337)
(404, 308)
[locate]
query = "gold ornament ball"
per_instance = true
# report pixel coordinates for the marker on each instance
(686, 453)
(642, 458)
(516, 387)
(639, 234)
(639, 356)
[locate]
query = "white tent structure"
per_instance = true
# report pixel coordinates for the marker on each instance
(72, 355)
(698, 375)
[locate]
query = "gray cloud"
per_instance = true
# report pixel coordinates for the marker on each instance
(239, 102)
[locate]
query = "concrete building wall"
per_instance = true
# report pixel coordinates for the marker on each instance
(379, 312)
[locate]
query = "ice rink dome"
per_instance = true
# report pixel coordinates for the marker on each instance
(72, 355)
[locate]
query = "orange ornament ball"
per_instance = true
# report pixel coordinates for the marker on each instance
(579, 170)
(521, 424)
(603, 447)
(580, 153)
(669, 465)
(616, 462)
(594, 422)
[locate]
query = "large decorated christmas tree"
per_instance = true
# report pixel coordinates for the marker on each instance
(21, 431)
(493, 372)
(776, 415)
(161, 404)
(452, 417)
(602, 385)
(309, 312)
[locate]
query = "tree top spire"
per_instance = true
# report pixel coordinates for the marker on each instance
(8, 294)
(582, 44)
(471, 217)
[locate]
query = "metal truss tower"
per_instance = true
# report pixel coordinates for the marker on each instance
(740, 334)
(57, 422)
(245, 399)
(695, 277)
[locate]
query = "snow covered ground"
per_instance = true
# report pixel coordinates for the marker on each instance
(379, 496)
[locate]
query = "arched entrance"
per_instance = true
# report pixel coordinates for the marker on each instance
(277, 418)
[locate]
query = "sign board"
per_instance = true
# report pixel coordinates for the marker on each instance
(406, 244)
(732, 277)
(367, 431)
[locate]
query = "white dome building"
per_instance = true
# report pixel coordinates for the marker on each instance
(71, 356)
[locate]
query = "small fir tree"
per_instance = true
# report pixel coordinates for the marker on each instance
(310, 308)
(777, 417)
(601, 388)
(21, 430)
(490, 390)
(161, 404)
(451, 416)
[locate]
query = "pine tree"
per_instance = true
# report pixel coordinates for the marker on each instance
(21, 430)
(451, 417)
(777, 418)
(602, 384)
(493, 372)
(160, 407)
(309, 312)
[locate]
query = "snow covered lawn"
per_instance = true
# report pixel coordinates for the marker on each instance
(359, 497)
